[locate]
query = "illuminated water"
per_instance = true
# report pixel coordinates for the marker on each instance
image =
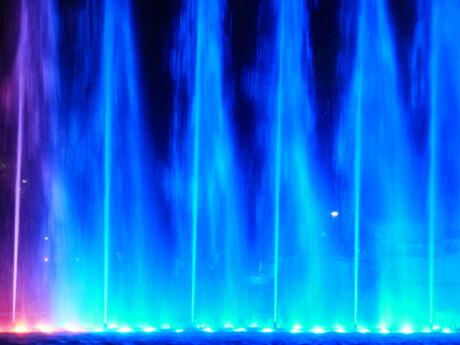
(194, 171)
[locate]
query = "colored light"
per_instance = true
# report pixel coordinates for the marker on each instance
(72, 328)
(228, 325)
(112, 326)
(362, 329)
(406, 330)
(208, 330)
(180, 330)
(149, 329)
(436, 328)
(267, 330)
(339, 329)
(426, 330)
(296, 328)
(318, 330)
(239, 330)
(165, 326)
(45, 328)
(446, 330)
(124, 329)
(20, 329)
(383, 330)
(253, 325)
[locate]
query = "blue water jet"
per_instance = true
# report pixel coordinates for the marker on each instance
(209, 169)
(374, 135)
(293, 198)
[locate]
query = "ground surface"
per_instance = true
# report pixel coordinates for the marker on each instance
(225, 338)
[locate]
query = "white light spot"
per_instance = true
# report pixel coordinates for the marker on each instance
(124, 329)
(362, 329)
(267, 330)
(69, 327)
(44, 328)
(339, 329)
(20, 329)
(149, 329)
(334, 214)
(296, 328)
(318, 330)
(406, 330)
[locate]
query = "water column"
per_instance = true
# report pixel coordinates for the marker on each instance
(442, 54)
(34, 90)
(133, 290)
(376, 153)
(76, 184)
(212, 187)
(293, 183)
(101, 204)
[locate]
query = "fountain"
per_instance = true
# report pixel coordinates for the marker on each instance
(224, 185)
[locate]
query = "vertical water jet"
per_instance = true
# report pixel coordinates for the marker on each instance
(375, 135)
(443, 84)
(293, 191)
(209, 169)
